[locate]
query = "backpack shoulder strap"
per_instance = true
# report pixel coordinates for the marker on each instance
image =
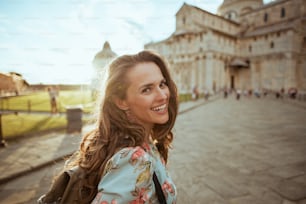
(159, 191)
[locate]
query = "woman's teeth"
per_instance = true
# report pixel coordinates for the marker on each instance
(160, 108)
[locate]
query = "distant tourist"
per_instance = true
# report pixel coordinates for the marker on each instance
(225, 92)
(257, 93)
(53, 99)
(282, 92)
(238, 94)
(292, 93)
(206, 94)
(195, 93)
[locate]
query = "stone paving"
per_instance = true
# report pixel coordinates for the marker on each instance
(246, 151)
(251, 151)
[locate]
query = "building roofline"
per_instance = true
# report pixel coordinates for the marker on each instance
(265, 6)
(266, 29)
(207, 12)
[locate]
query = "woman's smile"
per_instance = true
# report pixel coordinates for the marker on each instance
(160, 109)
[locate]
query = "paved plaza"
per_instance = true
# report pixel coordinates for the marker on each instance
(251, 151)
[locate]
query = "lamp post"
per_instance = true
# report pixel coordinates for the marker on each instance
(2, 142)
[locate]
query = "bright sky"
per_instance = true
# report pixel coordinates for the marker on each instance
(49, 41)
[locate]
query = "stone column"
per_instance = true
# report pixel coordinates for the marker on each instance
(209, 71)
(290, 71)
(200, 74)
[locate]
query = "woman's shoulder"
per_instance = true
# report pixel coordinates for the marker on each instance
(128, 156)
(131, 154)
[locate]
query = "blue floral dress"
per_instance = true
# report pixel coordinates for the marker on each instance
(128, 177)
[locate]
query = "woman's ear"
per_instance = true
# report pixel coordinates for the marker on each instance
(121, 104)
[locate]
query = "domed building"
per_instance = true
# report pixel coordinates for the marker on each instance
(248, 45)
(103, 57)
(100, 60)
(233, 9)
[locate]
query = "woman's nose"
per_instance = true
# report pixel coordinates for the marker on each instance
(162, 93)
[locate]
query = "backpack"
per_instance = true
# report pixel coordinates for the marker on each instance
(70, 187)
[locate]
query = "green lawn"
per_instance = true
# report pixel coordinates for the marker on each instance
(27, 123)
(40, 101)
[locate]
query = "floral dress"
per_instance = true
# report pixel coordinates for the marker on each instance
(128, 178)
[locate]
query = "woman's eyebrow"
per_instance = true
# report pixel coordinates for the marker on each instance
(152, 84)
(146, 85)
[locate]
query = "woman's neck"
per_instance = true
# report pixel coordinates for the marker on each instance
(148, 131)
(148, 135)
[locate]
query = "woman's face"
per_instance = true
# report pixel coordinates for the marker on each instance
(148, 95)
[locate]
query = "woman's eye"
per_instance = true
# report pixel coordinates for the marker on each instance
(163, 84)
(146, 90)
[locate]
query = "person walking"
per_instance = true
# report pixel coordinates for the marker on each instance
(238, 94)
(53, 99)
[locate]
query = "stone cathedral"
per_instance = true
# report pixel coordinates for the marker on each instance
(248, 45)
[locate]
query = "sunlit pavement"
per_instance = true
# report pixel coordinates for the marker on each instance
(246, 151)
(224, 151)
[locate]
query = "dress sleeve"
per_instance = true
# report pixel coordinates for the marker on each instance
(127, 178)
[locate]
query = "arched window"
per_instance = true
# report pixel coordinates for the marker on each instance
(272, 44)
(248, 62)
(250, 48)
(283, 13)
(266, 17)
(231, 15)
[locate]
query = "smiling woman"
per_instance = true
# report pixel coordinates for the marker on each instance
(147, 96)
(125, 156)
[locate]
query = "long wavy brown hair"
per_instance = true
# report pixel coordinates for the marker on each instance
(113, 130)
